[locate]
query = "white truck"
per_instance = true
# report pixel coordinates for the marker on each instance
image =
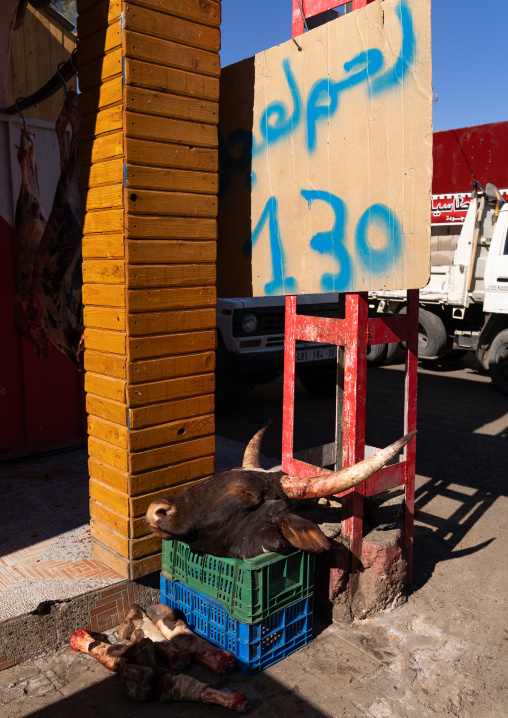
(465, 304)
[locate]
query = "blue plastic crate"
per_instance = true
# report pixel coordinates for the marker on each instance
(255, 645)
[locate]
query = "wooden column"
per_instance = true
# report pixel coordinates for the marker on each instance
(149, 81)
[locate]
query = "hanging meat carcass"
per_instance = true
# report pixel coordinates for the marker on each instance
(58, 274)
(29, 226)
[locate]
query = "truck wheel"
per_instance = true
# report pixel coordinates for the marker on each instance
(432, 337)
(498, 361)
(390, 352)
(376, 354)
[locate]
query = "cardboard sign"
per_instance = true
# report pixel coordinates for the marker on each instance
(329, 150)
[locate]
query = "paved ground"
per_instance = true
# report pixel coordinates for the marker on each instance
(441, 654)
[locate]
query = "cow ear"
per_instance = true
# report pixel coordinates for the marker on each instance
(303, 534)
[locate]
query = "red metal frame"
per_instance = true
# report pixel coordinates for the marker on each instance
(314, 7)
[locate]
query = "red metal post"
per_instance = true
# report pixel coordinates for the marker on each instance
(410, 425)
(314, 7)
(288, 405)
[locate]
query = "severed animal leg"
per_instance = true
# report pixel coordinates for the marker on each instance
(137, 625)
(179, 633)
(185, 688)
(111, 657)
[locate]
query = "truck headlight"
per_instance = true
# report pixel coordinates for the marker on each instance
(250, 323)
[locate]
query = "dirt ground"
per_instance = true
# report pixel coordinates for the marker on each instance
(442, 653)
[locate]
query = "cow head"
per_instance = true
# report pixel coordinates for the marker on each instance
(244, 512)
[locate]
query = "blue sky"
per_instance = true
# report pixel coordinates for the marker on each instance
(469, 47)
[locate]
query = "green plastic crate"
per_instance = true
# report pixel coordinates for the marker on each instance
(251, 590)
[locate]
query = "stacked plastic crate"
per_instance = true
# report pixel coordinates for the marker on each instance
(260, 609)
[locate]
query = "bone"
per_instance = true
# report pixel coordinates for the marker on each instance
(137, 625)
(111, 657)
(177, 631)
(185, 688)
(251, 457)
(338, 481)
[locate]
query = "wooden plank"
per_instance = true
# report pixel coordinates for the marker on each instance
(110, 538)
(143, 566)
(104, 318)
(101, 148)
(98, 17)
(173, 251)
(174, 410)
(156, 458)
(107, 387)
(108, 220)
(168, 344)
(169, 389)
(164, 104)
(30, 32)
(83, 5)
(105, 341)
(144, 127)
(168, 27)
(17, 62)
(205, 13)
(171, 203)
(44, 70)
(168, 275)
(170, 79)
(154, 227)
(145, 546)
(170, 480)
(103, 197)
(104, 246)
(165, 322)
(108, 364)
(174, 432)
(103, 68)
(167, 155)
(107, 454)
(55, 103)
(170, 54)
(166, 367)
(170, 179)
(102, 271)
(104, 295)
(102, 41)
(108, 93)
(118, 523)
(145, 300)
(99, 123)
(106, 409)
(108, 432)
(110, 558)
(109, 172)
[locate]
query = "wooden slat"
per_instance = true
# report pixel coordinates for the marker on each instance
(101, 42)
(182, 430)
(170, 480)
(168, 27)
(170, 79)
(83, 5)
(109, 172)
(154, 227)
(118, 523)
(168, 155)
(108, 364)
(101, 148)
(145, 565)
(109, 432)
(171, 203)
(101, 69)
(104, 318)
(145, 546)
(106, 409)
(104, 246)
(169, 275)
(165, 367)
(111, 558)
(205, 13)
(108, 220)
(115, 541)
(145, 300)
(108, 93)
(165, 322)
(108, 454)
(170, 411)
(115, 479)
(103, 197)
(174, 251)
(104, 295)
(164, 104)
(168, 344)
(144, 127)
(160, 178)
(98, 17)
(100, 271)
(105, 341)
(99, 123)
(43, 61)
(169, 389)
(170, 54)
(32, 38)
(105, 386)
(155, 458)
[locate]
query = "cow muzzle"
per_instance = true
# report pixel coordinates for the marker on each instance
(156, 511)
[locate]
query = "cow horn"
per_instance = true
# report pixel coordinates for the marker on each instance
(338, 481)
(251, 458)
